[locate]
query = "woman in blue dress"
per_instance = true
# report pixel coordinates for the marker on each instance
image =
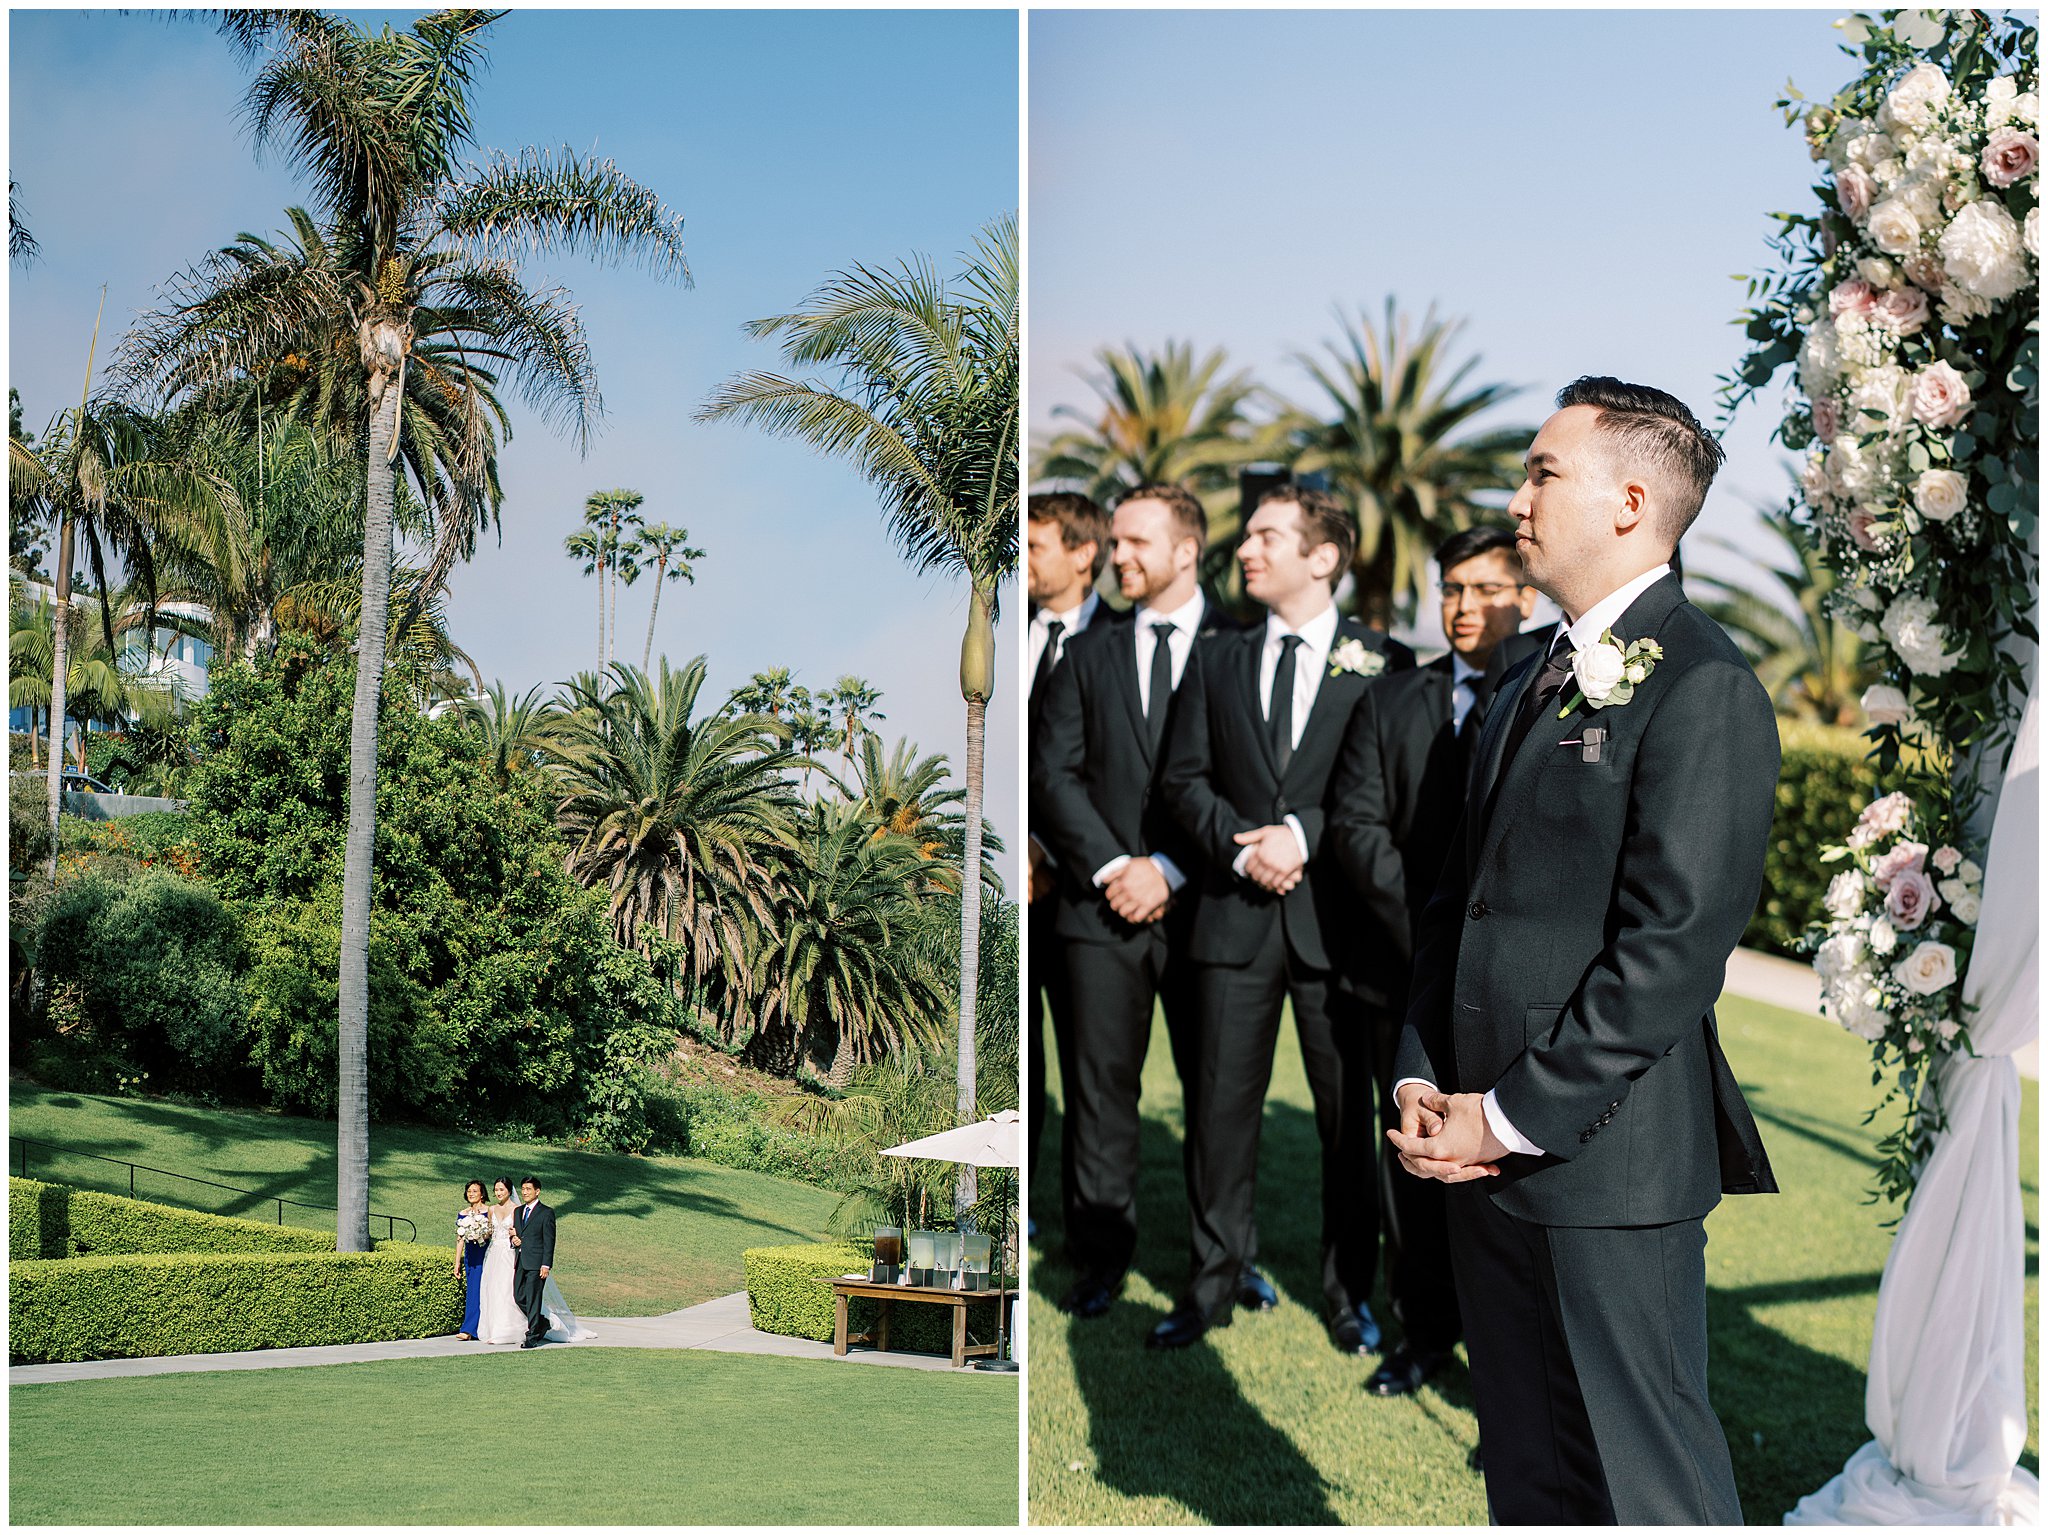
(469, 1259)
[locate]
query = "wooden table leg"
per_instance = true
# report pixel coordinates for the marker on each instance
(882, 1327)
(959, 1336)
(838, 1323)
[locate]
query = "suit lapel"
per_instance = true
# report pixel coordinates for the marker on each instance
(1328, 712)
(1248, 684)
(1126, 684)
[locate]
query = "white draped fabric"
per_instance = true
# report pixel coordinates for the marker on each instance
(1946, 1399)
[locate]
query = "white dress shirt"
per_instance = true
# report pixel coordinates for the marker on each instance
(1311, 657)
(1186, 620)
(1584, 631)
(1074, 621)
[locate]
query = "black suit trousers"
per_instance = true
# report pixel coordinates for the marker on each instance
(1413, 1227)
(1240, 1025)
(1111, 991)
(1045, 993)
(529, 1286)
(1588, 1348)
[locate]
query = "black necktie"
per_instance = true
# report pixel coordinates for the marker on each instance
(1280, 702)
(1160, 691)
(1550, 682)
(1048, 658)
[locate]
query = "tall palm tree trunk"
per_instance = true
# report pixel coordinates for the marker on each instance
(647, 654)
(977, 681)
(384, 349)
(60, 644)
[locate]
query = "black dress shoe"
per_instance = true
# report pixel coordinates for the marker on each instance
(1404, 1370)
(1184, 1326)
(1088, 1298)
(528, 1343)
(1472, 1460)
(1254, 1294)
(1355, 1332)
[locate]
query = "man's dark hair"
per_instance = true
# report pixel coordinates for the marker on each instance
(1188, 515)
(1470, 543)
(1082, 521)
(1658, 431)
(529, 1178)
(1324, 520)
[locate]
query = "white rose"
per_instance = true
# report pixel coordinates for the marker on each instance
(1922, 199)
(1820, 361)
(1886, 706)
(1877, 271)
(1981, 250)
(1599, 668)
(1910, 103)
(1926, 970)
(1893, 229)
(1883, 938)
(1970, 873)
(1869, 148)
(1968, 907)
(1838, 956)
(1878, 401)
(1940, 493)
(1845, 895)
(2026, 108)
(2030, 233)
(1999, 95)
(1909, 627)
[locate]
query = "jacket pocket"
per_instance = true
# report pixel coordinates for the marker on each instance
(1537, 1023)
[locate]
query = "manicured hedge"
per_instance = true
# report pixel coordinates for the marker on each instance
(150, 1304)
(1822, 787)
(47, 1220)
(784, 1296)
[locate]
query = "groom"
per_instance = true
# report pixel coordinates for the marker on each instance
(1559, 1066)
(533, 1233)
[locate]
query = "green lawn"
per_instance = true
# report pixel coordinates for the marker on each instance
(639, 1235)
(1263, 1423)
(585, 1436)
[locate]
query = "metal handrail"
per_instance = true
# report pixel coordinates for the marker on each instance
(391, 1222)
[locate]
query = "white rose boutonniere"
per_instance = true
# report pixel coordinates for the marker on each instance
(1353, 656)
(1608, 674)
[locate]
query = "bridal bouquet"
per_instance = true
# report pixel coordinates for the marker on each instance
(1901, 920)
(472, 1226)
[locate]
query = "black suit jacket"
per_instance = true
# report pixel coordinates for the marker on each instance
(1221, 778)
(536, 1236)
(1571, 956)
(1095, 778)
(1395, 800)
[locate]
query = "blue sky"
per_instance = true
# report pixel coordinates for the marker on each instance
(794, 144)
(1579, 185)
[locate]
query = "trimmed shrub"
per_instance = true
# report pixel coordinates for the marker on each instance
(1822, 786)
(35, 1219)
(784, 1297)
(146, 1305)
(103, 1225)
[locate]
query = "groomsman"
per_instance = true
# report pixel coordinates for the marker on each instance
(1255, 736)
(1125, 911)
(1560, 1067)
(1395, 800)
(1066, 546)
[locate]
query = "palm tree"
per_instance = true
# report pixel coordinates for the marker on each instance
(21, 245)
(839, 982)
(585, 545)
(414, 244)
(888, 1103)
(924, 402)
(856, 698)
(103, 684)
(764, 693)
(608, 513)
(98, 477)
(1165, 418)
(1387, 442)
(809, 729)
(1813, 664)
(670, 550)
(906, 796)
(680, 820)
(517, 732)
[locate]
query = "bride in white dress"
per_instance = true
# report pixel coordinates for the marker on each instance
(499, 1319)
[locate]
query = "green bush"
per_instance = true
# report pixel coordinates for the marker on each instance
(1822, 787)
(784, 1297)
(151, 1304)
(103, 1225)
(35, 1219)
(736, 1130)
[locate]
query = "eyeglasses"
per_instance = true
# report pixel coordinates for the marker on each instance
(1490, 591)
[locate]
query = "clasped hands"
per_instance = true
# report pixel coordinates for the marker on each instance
(1138, 892)
(1275, 863)
(1446, 1136)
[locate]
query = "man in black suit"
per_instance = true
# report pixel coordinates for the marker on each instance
(1560, 1067)
(1395, 800)
(1255, 734)
(533, 1233)
(1066, 545)
(1123, 922)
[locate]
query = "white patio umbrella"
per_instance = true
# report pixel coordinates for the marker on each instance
(992, 1142)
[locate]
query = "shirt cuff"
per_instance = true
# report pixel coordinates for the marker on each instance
(1505, 1132)
(1300, 838)
(1237, 864)
(1406, 1080)
(1170, 872)
(1107, 872)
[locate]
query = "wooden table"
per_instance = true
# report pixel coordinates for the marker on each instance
(844, 1290)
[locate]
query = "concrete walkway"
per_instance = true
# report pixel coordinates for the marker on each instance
(720, 1326)
(1790, 983)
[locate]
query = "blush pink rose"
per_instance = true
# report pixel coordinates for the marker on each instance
(1906, 858)
(1925, 271)
(1827, 419)
(1853, 192)
(1904, 309)
(2009, 156)
(1947, 859)
(1852, 297)
(1860, 518)
(1910, 901)
(1941, 397)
